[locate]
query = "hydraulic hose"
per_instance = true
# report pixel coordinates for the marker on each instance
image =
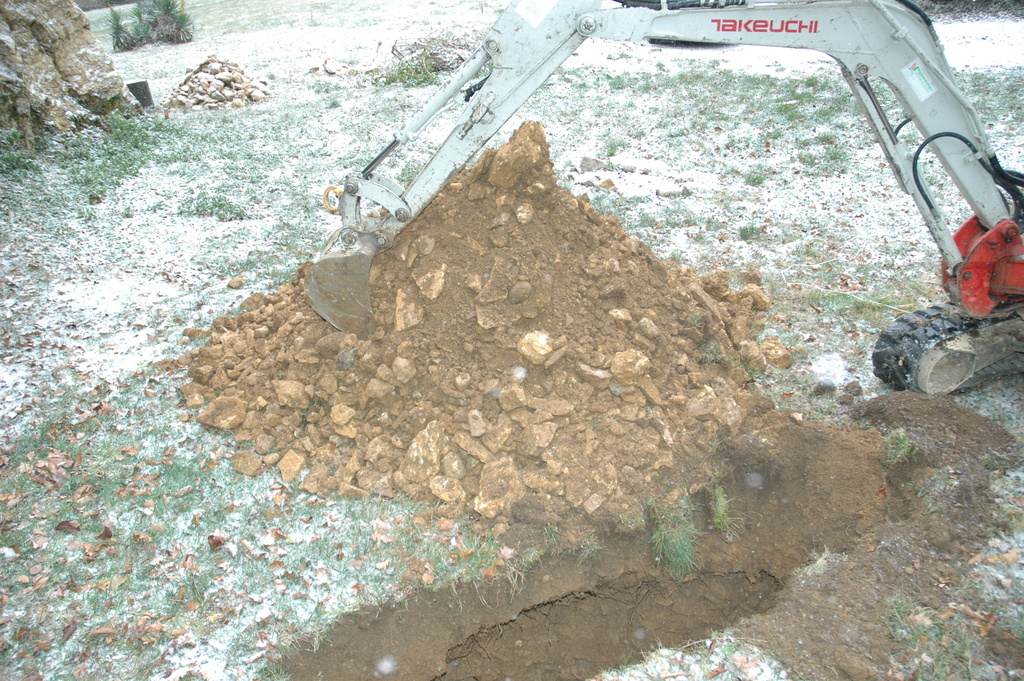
(1010, 182)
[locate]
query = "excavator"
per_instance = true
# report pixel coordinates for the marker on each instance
(976, 336)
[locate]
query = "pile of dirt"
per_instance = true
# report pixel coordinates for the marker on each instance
(531, 362)
(217, 84)
(526, 356)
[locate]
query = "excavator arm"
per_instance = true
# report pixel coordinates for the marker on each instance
(889, 43)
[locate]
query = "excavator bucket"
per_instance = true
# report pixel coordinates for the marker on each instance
(338, 288)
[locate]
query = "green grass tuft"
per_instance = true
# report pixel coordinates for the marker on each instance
(722, 517)
(205, 204)
(674, 536)
(898, 448)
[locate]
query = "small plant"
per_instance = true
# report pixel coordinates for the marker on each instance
(819, 565)
(898, 448)
(613, 146)
(153, 21)
(757, 175)
(212, 205)
(721, 515)
(590, 548)
(674, 536)
(750, 233)
(420, 63)
(710, 352)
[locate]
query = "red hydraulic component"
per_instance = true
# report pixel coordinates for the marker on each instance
(992, 274)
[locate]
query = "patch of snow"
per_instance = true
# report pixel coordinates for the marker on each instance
(830, 370)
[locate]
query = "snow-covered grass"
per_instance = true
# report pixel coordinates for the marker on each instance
(112, 244)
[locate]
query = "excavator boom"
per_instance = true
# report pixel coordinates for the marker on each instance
(888, 43)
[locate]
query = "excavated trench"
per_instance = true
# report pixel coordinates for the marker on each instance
(793, 489)
(558, 640)
(569, 619)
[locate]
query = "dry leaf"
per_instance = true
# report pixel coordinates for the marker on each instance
(216, 539)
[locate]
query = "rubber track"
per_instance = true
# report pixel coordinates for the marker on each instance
(1014, 364)
(902, 345)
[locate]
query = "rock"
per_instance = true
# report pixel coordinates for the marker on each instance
(630, 366)
(535, 346)
(453, 465)
(223, 413)
(717, 284)
(53, 72)
(512, 397)
(193, 393)
(422, 245)
(341, 414)
(593, 502)
(553, 406)
(332, 66)
(376, 389)
(589, 164)
(537, 436)
(758, 298)
(477, 424)
(541, 482)
(403, 369)
(291, 394)
(291, 465)
(524, 214)
(707, 406)
(525, 152)
(331, 344)
(447, 489)
(423, 456)
(621, 315)
(599, 378)
(500, 487)
(776, 354)
(648, 328)
(520, 292)
(375, 482)
(498, 434)
(263, 444)
(347, 491)
(473, 447)
(319, 481)
(752, 356)
(407, 313)
(247, 463)
(431, 283)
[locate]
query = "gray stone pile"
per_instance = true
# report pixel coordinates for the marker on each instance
(217, 84)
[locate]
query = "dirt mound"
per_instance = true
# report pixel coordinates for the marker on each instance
(526, 355)
(531, 362)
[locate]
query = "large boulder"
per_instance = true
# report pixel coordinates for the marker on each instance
(53, 73)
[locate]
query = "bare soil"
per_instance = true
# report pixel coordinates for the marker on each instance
(533, 366)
